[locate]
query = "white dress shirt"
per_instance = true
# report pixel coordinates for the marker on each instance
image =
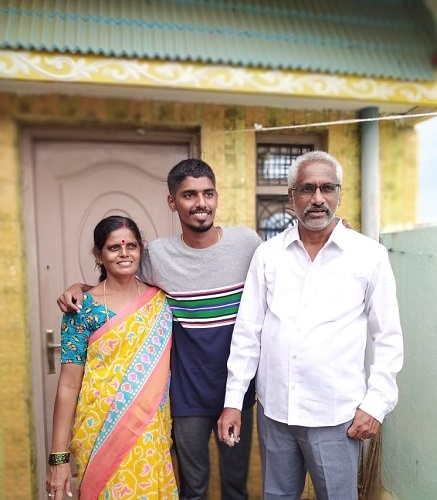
(302, 329)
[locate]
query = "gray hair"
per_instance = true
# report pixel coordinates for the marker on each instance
(311, 157)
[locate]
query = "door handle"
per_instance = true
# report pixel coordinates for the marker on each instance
(51, 346)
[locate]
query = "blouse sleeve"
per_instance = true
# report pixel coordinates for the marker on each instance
(75, 333)
(76, 329)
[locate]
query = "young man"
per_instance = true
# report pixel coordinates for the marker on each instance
(202, 270)
(312, 295)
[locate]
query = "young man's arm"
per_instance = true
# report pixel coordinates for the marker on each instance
(71, 299)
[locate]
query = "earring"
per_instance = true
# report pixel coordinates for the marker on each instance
(98, 264)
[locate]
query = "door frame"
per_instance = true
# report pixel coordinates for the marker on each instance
(28, 137)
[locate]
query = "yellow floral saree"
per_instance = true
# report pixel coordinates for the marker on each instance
(121, 434)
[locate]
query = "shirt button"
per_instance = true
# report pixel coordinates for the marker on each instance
(293, 387)
(294, 356)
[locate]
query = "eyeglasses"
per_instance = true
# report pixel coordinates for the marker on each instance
(310, 189)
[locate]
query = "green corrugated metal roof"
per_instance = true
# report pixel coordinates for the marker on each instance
(375, 38)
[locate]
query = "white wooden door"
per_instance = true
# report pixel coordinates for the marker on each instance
(75, 184)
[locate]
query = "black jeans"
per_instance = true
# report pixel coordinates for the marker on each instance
(191, 437)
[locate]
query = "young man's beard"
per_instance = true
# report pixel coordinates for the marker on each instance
(201, 229)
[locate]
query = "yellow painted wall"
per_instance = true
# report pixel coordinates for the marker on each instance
(16, 454)
(232, 155)
(399, 176)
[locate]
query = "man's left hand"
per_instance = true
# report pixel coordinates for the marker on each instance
(363, 427)
(229, 425)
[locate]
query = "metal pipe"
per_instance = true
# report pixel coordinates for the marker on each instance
(369, 204)
(370, 173)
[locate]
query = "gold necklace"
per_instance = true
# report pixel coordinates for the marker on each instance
(219, 237)
(104, 296)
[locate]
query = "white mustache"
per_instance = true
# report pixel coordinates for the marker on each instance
(318, 207)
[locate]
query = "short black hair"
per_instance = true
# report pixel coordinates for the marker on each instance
(191, 167)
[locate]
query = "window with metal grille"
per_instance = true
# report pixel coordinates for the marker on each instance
(274, 215)
(273, 159)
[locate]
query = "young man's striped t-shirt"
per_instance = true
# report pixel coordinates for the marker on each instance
(204, 288)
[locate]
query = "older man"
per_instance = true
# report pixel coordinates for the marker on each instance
(312, 296)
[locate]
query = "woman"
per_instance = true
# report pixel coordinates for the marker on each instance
(114, 381)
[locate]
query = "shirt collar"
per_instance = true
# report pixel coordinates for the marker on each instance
(291, 234)
(338, 235)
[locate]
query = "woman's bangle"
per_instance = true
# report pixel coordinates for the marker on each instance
(62, 457)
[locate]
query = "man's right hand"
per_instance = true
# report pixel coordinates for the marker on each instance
(71, 299)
